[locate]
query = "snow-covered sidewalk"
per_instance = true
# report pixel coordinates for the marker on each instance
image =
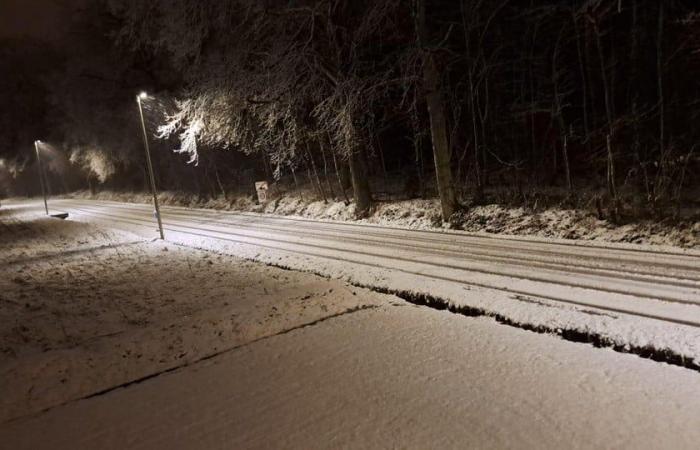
(392, 377)
(84, 308)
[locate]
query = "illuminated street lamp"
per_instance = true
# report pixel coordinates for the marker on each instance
(144, 96)
(41, 175)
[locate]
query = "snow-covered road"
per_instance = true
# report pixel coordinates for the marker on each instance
(630, 295)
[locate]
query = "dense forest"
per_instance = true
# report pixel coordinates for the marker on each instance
(592, 102)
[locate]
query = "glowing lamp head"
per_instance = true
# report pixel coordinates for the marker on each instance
(143, 96)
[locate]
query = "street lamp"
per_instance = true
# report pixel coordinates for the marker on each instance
(41, 175)
(144, 96)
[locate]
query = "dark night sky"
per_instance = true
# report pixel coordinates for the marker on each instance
(42, 19)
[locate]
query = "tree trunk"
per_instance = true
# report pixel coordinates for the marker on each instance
(296, 182)
(612, 189)
(584, 78)
(360, 185)
(660, 77)
(318, 179)
(340, 178)
(383, 163)
(331, 191)
(438, 122)
(559, 114)
(221, 185)
(604, 78)
(477, 166)
(567, 169)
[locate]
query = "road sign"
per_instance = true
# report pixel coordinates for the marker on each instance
(261, 188)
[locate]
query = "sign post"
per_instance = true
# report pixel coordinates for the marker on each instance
(261, 188)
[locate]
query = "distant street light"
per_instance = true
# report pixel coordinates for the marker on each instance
(41, 175)
(144, 96)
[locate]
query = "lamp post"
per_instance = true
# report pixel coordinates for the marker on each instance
(143, 96)
(41, 176)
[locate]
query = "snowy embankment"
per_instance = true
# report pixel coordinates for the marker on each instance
(570, 224)
(85, 309)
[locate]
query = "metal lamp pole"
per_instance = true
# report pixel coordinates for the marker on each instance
(41, 176)
(143, 95)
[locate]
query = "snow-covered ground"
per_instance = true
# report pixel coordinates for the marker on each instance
(85, 308)
(392, 377)
(570, 224)
(113, 340)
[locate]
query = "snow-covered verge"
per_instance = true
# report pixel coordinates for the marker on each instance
(27, 235)
(561, 223)
(84, 308)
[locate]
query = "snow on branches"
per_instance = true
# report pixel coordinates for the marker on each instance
(222, 121)
(188, 121)
(94, 161)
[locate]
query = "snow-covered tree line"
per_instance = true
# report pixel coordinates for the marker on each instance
(537, 94)
(290, 81)
(595, 100)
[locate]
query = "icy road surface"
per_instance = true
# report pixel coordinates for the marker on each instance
(641, 297)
